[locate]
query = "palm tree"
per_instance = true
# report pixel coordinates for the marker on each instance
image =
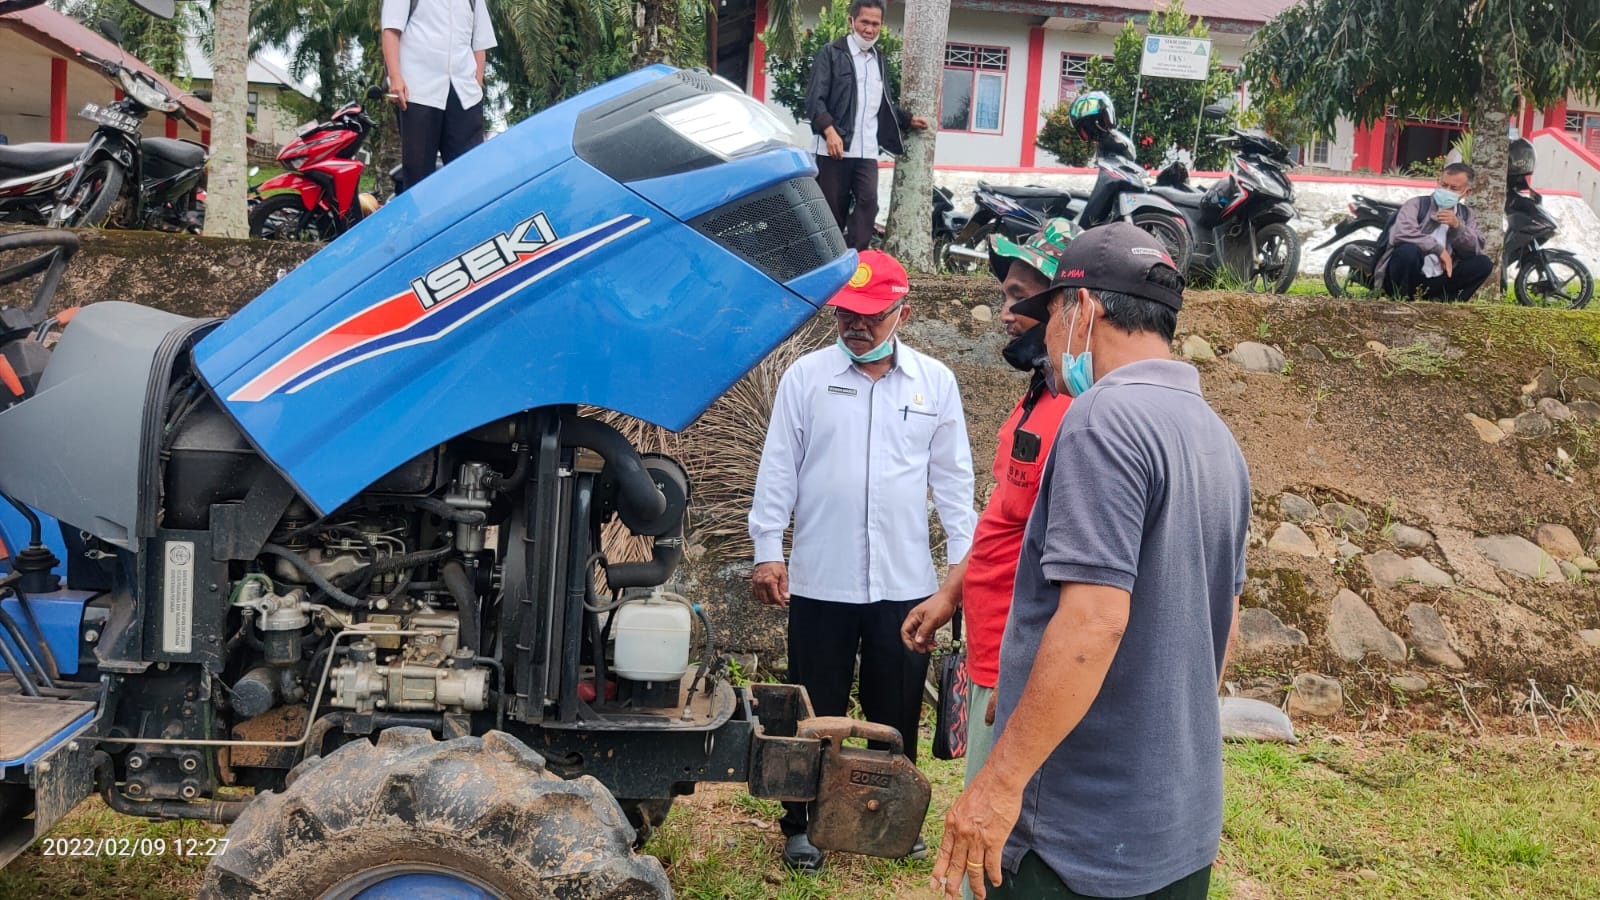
(552, 49)
(338, 40)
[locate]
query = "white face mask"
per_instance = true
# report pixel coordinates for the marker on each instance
(860, 43)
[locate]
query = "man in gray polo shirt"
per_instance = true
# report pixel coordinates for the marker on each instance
(1106, 776)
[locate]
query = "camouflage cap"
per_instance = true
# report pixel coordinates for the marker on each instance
(1042, 251)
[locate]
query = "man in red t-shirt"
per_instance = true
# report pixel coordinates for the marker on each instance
(981, 584)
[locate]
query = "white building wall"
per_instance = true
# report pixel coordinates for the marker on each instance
(1003, 149)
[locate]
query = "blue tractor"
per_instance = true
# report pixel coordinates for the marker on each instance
(342, 548)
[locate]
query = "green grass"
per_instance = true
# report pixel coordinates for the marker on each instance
(1422, 817)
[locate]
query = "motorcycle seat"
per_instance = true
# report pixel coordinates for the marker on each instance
(185, 154)
(23, 159)
(1031, 190)
(1363, 200)
(1182, 197)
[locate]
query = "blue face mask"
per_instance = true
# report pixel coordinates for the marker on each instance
(1078, 371)
(1444, 198)
(873, 355)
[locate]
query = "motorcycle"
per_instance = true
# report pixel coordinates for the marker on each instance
(1544, 277)
(1120, 193)
(1239, 224)
(157, 179)
(319, 198)
(947, 223)
(31, 175)
(1348, 271)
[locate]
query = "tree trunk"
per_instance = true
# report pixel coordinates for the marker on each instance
(655, 28)
(910, 237)
(328, 79)
(1490, 147)
(711, 38)
(227, 184)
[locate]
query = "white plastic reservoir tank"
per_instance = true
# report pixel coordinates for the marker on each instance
(652, 639)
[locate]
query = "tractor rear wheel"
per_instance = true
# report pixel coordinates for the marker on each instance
(468, 817)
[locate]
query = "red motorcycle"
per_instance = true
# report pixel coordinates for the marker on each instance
(319, 198)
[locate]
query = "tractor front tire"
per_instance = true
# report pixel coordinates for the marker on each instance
(411, 811)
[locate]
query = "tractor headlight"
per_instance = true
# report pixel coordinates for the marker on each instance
(729, 124)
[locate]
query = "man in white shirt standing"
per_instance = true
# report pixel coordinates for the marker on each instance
(860, 433)
(435, 51)
(853, 116)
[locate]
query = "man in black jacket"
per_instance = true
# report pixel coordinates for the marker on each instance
(854, 116)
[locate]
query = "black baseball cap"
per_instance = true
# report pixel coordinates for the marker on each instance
(1116, 257)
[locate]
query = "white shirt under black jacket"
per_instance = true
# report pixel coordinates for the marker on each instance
(437, 47)
(853, 460)
(869, 98)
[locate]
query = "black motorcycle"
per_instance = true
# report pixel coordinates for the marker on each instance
(1348, 272)
(1240, 223)
(947, 223)
(30, 177)
(158, 178)
(1120, 193)
(1544, 277)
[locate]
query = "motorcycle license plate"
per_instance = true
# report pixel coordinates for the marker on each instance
(110, 118)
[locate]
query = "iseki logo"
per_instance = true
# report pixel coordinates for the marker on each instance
(450, 278)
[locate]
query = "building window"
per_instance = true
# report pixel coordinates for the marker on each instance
(974, 88)
(1074, 73)
(1575, 121)
(252, 98)
(1320, 150)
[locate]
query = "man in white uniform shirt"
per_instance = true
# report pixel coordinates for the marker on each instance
(435, 51)
(860, 433)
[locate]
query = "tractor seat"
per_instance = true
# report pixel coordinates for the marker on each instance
(1031, 190)
(184, 154)
(17, 160)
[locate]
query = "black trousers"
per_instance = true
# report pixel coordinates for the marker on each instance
(846, 180)
(1036, 881)
(1405, 278)
(824, 639)
(427, 132)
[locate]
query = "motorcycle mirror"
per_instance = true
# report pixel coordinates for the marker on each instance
(161, 9)
(203, 95)
(1216, 112)
(110, 29)
(374, 93)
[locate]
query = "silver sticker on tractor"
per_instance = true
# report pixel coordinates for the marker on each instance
(177, 598)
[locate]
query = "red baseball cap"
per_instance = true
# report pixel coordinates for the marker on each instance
(879, 283)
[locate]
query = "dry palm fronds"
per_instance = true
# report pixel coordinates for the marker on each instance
(721, 451)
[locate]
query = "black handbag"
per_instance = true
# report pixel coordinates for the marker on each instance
(950, 718)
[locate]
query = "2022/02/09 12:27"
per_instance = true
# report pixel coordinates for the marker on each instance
(124, 846)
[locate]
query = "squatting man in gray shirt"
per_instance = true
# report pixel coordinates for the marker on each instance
(1106, 774)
